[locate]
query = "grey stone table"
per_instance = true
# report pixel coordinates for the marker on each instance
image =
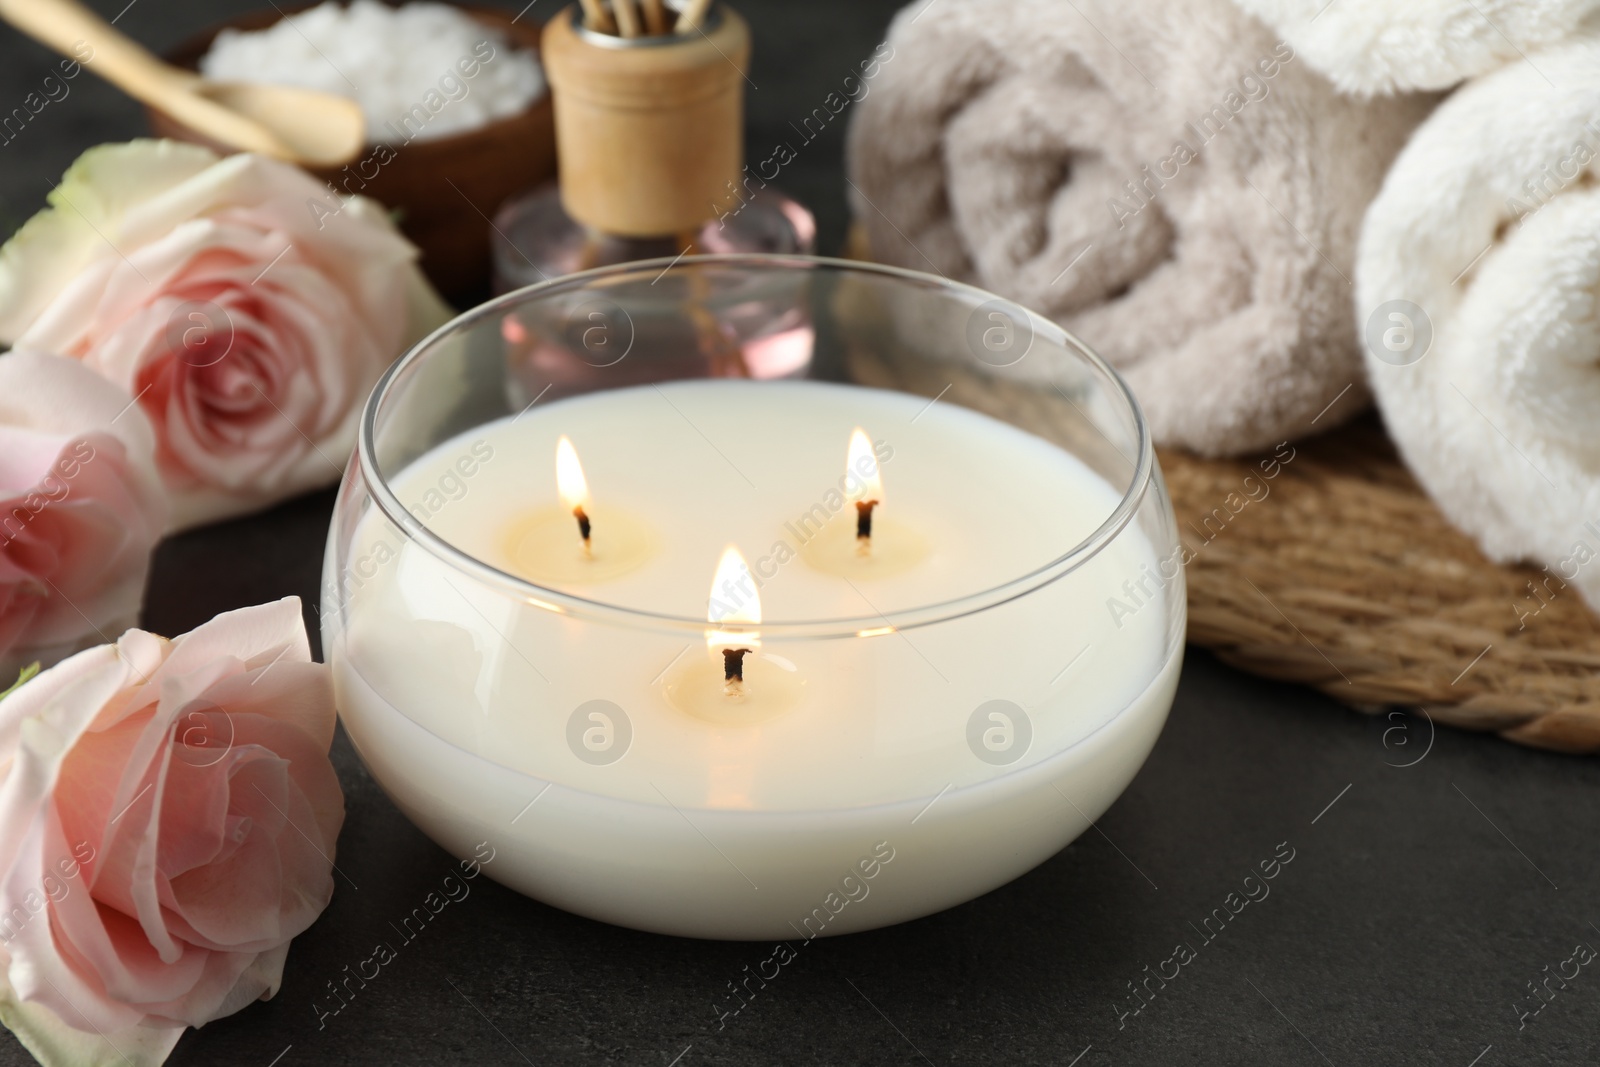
(1419, 904)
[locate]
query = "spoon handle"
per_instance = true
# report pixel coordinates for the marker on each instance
(66, 26)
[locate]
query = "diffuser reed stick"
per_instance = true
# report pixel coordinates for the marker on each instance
(694, 12)
(596, 17)
(627, 17)
(655, 17)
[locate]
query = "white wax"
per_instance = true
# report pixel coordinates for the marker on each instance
(882, 722)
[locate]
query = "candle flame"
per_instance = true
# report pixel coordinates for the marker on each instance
(861, 469)
(570, 482)
(734, 599)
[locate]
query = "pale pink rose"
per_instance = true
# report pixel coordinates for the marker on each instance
(81, 508)
(168, 817)
(247, 306)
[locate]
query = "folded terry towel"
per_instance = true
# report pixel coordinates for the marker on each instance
(1489, 223)
(1384, 46)
(1166, 180)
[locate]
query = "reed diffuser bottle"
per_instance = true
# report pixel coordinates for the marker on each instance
(649, 105)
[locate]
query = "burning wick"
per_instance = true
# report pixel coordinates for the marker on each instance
(733, 670)
(573, 488)
(733, 600)
(861, 473)
(864, 525)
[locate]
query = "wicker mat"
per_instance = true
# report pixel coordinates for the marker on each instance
(1346, 577)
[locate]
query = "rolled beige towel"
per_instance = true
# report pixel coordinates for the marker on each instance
(1166, 180)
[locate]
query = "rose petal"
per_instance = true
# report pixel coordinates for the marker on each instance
(52, 1041)
(235, 904)
(38, 725)
(230, 981)
(256, 636)
(65, 976)
(57, 243)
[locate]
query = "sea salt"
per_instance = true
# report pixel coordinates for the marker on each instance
(419, 72)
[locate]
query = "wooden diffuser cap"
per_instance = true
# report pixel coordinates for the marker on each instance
(649, 130)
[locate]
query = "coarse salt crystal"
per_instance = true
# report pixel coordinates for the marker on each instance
(408, 67)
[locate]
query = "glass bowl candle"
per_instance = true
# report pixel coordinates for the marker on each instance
(728, 657)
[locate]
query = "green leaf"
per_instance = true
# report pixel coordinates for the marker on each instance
(27, 674)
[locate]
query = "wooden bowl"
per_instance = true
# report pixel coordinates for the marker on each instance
(443, 191)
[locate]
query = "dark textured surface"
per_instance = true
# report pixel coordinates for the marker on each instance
(1413, 915)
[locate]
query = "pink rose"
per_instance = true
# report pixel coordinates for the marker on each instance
(81, 507)
(167, 823)
(248, 307)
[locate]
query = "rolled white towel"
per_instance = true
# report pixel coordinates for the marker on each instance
(1386, 46)
(1488, 227)
(1167, 180)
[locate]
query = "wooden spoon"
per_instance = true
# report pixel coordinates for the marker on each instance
(299, 125)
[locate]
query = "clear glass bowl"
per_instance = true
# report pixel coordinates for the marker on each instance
(912, 736)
